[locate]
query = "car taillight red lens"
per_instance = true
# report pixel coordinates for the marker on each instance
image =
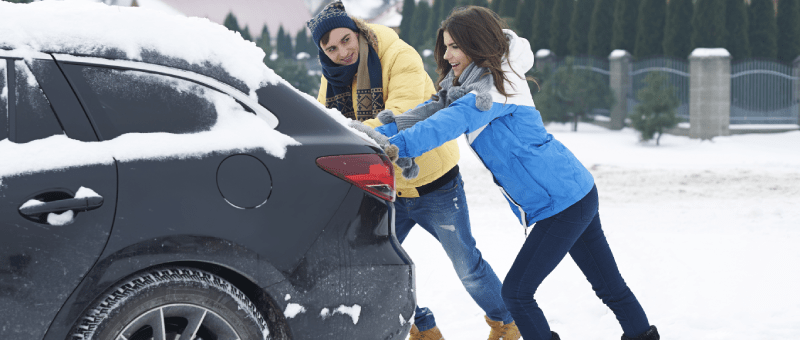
(371, 172)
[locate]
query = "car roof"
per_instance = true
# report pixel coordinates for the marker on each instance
(135, 34)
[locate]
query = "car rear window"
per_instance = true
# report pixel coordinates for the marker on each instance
(128, 101)
(33, 117)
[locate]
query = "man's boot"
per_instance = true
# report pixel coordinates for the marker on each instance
(431, 334)
(500, 331)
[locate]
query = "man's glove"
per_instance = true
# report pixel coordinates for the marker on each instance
(409, 167)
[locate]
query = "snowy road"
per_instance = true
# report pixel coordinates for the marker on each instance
(705, 233)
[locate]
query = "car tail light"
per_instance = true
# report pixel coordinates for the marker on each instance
(371, 172)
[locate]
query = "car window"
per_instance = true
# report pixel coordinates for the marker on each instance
(3, 101)
(33, 117)
(126, 101)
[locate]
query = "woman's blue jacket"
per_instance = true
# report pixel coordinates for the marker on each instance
(539, 176)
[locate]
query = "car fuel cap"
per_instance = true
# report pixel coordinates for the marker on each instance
(244, 181)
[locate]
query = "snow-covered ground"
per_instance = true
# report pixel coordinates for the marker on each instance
(706, 233)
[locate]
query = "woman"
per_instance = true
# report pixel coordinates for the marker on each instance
(483, 95)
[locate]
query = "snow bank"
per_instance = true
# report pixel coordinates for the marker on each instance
(85, 28)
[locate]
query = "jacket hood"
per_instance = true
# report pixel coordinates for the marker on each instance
(520, 55)
(519, 62)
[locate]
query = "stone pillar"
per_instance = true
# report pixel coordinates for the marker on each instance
(796, 92)
(619, 65)
(545, 60)
(709, 93)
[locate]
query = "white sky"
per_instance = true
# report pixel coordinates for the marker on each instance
(705, 234)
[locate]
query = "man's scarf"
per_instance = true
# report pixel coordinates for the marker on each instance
(368, 89)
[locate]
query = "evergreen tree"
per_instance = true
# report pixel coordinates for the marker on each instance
(481, 3)
(600, 28)
(285, 48)
(788, 22)
(650, 29)
(540, 38)
(559, 27)
(245, 32)
(231, 23)
(507, 8)
(708, 24)
(763, 29)
(301, 42)
(406, 30)
(570, 94)
(736, 23)
(677, 33)
(434, 20)
(658, 103)
(625, 25)
(445, 10)
(419, 24)
(265, 42)
(579, 27)
(296, 74)
(523, 20)
(494, 5)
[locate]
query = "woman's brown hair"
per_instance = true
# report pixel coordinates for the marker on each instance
(478, 32)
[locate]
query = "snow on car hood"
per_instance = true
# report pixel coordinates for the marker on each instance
(87, 28)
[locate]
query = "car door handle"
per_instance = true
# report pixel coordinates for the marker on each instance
(77, 204)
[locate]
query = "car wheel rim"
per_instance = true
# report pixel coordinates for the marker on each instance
(178, 322)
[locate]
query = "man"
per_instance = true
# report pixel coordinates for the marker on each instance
(367, 69)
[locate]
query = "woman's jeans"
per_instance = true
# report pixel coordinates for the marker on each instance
(575, 230)
(443, 213)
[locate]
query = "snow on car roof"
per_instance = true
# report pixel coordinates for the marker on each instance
(141, 34)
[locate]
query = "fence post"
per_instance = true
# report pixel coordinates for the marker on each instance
(619, 66)
(796, 92)
(545, 60)
(709, 93)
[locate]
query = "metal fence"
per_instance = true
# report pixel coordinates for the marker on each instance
(763, 92)
(594, 64)
(677, 73)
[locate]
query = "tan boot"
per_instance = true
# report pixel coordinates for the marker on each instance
(500, 331)
(431, 334)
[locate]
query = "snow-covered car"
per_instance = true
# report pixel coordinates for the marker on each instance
(157, 181)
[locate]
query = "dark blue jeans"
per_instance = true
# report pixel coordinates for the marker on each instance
(575, 230)
(443, 213)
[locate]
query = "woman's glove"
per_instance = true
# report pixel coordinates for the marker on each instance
(409, 167)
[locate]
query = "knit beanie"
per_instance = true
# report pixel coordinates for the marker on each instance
(332, 16)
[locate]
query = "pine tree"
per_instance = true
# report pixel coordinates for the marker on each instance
(559, 27)
(434, 20)
(788, 22)
(231, 23)
(708, 24)
(571, 93)
(494, 5)
(481, 3)
(446, 9)
(507, 8)
(541, 25)
(301, 42)
(579, 27)
(419, 24)
(600, 28)
(625, 25)
(265, 42)
(405, 23)
(677, 33)
(763, 29)
(523, 20)
(650, 29)
(246, 33)
(736, 22)
(285, 48)
(655, 113)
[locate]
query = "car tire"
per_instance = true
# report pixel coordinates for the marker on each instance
(172, 303)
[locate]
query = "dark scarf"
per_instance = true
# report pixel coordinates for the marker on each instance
(368, 89)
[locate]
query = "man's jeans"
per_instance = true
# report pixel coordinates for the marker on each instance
(575, 230)
(443, 213)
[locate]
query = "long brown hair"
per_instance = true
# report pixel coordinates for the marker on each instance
(478, 32)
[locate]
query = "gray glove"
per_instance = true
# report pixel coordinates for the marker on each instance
(409, 167)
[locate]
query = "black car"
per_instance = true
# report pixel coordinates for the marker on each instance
(118, 222)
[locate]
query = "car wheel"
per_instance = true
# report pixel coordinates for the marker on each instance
(173, 303)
